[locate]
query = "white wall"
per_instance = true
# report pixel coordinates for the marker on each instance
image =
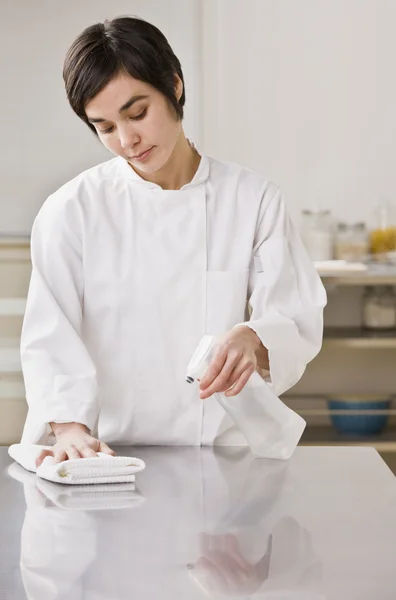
(305, 91)
(42, 143)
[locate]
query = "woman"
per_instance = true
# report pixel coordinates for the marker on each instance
(135, 259)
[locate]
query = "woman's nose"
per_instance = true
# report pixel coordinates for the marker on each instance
(128, 137)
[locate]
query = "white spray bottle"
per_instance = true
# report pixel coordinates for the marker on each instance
(271, 428)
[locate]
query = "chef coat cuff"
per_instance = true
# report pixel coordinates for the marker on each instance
(71, 411)
(37, 428)
(281, 337)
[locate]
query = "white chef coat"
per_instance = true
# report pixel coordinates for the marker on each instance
(127, 277)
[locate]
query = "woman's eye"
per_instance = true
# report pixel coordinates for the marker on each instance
(109, 130)
(140, 116)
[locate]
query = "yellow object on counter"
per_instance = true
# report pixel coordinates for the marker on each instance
(383, 240)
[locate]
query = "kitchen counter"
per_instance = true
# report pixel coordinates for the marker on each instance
(205, 524)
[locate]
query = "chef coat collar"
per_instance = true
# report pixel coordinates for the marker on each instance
(200, 176)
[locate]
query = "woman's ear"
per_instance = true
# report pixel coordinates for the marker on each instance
(178, 87)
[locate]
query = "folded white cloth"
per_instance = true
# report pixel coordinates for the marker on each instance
(112, 496)
(103, 468)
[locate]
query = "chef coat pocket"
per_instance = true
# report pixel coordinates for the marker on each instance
(226, 299)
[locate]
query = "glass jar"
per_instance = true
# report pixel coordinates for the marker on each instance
(383, 233)
(317, 234)
(379, 307)
(351, 242)
(361, 243)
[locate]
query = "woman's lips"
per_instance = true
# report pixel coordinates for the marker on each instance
(143, 156)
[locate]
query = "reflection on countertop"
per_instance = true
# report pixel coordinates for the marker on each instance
(216, 523)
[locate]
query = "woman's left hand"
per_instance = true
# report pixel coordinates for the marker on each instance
(233, 363)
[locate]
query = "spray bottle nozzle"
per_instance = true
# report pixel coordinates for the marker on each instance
(199, 362)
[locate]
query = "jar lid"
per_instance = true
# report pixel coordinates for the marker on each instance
(360, 226)
(308, 211)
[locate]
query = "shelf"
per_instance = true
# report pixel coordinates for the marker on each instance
(327, 436)
(358, 279)
(315, 412)
(14, 248)
(10, 307)
(10, 359)
(12, 390)
(14, 239)
(375, 274)
(357, 337)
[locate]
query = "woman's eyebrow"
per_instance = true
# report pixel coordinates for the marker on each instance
(132, 101)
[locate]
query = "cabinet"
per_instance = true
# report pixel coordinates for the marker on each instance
(352, 360)
(15, 269)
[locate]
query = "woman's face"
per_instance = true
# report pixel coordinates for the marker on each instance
(135, 121)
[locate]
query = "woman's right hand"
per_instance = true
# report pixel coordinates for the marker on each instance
(73, 440)
(223, 569)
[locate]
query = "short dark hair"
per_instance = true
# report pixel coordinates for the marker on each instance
(124, 44)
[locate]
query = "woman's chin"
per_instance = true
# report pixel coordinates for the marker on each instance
(148, 168)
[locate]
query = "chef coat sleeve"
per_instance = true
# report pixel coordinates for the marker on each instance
(286, 295)
(59, 375)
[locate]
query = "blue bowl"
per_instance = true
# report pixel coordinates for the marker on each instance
(359, 424)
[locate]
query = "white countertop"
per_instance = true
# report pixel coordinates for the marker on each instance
(204, 524)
